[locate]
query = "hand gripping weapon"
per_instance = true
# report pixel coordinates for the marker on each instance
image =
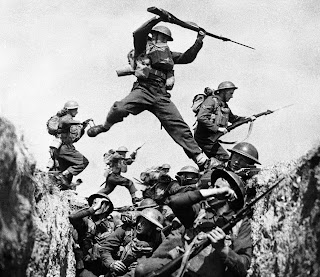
(174, 20)
(172, 266)
(244, 121)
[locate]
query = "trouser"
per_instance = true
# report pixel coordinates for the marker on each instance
(114, 179)
(215, 150)
(154, 98)
(71, 159)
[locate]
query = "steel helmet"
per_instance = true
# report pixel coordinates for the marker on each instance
(165, 166)
(152, 215)
(163, 30)
(226, 85)
(235, 183)
(188, 169)
(246, 149)
(100, 195)
(122, 149)
(147, 203)
(71, 105)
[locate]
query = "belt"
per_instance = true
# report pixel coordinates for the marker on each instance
(158, 73)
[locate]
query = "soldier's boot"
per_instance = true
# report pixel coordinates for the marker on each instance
(65, 180)
(98, 129)
(202, 161)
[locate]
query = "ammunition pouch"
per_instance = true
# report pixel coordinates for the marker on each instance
(160, 56)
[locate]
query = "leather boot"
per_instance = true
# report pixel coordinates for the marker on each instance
(96, 130)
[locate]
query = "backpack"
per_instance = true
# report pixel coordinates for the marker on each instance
(199, 99)
(53, 125)
(54, 121)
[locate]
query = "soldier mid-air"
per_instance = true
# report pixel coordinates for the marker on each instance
(153, 65)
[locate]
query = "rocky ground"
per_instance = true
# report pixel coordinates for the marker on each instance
(36, 240)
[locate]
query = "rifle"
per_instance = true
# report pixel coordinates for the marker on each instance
(174, 20)
(172, 266)
(244, 121)
(134, 153)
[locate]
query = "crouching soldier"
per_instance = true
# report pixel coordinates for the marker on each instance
(206, 211)
(92, 227)
(126, 245)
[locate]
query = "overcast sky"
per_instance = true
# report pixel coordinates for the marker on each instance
(55, 51)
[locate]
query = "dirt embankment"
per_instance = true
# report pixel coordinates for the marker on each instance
(36, 239)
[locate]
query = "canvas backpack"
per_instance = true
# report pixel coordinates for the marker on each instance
(54, 121)
(199, 99)
(53, 125)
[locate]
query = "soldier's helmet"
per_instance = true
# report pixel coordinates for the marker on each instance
(226, 85)
(163, 30)
(246, 149)
(165, 166)
(188, 169)
(122, 149)
(235, 183)
(152, 215)
(101, 195)
(147, 203)
(70, 105)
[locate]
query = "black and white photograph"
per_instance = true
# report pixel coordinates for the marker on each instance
(159, 138)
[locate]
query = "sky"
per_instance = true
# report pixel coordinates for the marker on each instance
(55, 51)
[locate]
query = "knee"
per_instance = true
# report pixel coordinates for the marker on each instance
(117, 112)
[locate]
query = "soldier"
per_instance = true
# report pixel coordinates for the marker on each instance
(188, 176)
(154, 64)
(207, 210)
(117, 162)
(137, 242)
(212, 118)
(243, 160)
(71, 161)
(159, 185)
(165, 168)
(92, 228)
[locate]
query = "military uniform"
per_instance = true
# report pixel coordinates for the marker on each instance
(151, 94)
(213, 113)
(89, 237)
(125, 245)
(187, 208)
(115, 165)
(68, 157)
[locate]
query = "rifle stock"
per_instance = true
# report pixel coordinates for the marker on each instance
(172, 266)
(177, 21)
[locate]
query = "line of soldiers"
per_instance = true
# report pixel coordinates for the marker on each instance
(171, 215)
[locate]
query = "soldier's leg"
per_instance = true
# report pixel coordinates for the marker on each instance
(71, 160)
(218, 152)
(114, 180)
(134, 103)
(176, 127)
